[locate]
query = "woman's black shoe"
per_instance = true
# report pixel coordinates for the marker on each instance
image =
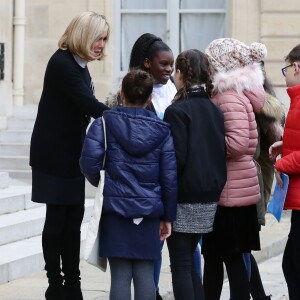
(55, 292)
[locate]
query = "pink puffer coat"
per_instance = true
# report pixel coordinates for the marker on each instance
(239, 93)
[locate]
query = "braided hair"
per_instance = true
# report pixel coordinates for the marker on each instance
(146, 46)
(195, 69)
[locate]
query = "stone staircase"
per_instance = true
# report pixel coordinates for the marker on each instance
(21, 224)
(21, 221)
(15, 142)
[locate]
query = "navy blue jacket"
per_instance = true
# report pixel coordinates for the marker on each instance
(140, 164)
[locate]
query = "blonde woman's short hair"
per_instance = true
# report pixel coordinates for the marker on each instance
(85, 29)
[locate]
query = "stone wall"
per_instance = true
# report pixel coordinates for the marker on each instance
(275, 24)
(6, 34)
(46, 21)
(269, 21)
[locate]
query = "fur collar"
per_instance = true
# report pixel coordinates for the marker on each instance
(273, 108)
(241, 79)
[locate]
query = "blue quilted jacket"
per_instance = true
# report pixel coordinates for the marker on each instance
(140, 164)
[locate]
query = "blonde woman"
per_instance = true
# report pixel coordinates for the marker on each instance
(66, 105)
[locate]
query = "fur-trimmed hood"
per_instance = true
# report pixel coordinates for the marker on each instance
(242, 79)
(246, 81)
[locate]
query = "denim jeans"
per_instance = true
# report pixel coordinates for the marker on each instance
(197, 261)
(256, 287)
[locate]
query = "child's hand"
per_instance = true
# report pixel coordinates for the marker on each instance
(164, 230)
(275, 150)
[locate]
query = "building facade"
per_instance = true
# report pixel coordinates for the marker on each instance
(30, 29)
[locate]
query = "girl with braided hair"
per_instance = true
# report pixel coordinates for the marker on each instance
(149, 53)
(197, 127)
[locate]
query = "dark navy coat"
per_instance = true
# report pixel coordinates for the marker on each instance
(140, 180)
(66, 105)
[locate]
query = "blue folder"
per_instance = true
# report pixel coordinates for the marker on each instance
(276, 204)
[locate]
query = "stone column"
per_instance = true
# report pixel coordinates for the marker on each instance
(18, 52)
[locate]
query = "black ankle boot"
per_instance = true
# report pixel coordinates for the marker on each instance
(51, 250)
(263, 298)
(70, 266)
(55, 292)
(72, 293)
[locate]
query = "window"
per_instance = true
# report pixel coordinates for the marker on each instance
(182, 24)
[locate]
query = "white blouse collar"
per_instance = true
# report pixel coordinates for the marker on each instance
(82, 62)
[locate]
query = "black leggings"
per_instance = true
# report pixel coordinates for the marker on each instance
(63, 219)
(61, 242)
(214, 274)
(256, 286)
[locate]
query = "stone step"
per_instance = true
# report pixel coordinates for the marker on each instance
(16, 198)
(25, 176)
(15, 136)
(15, 142)
(19, 174)
(26, 111)
(4, 180)
(29, 223)
(21, 225)
(25, 257)
(11, 149)
(14, 162)
(20, 123)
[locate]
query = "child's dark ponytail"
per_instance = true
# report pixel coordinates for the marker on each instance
(146, 46)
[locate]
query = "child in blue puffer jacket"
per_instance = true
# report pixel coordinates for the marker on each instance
(140, 191)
